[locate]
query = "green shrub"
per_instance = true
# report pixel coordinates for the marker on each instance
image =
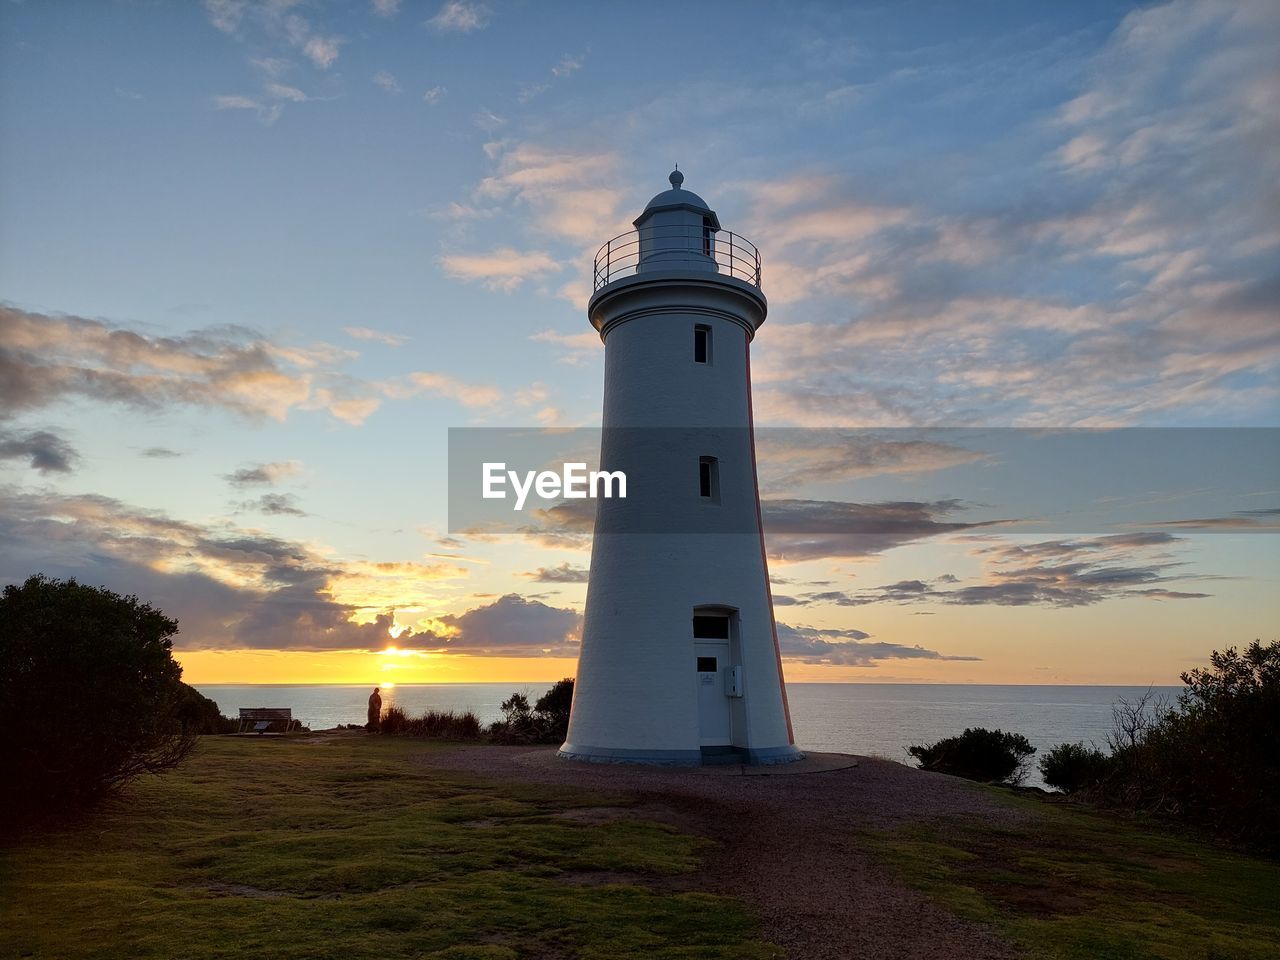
(463, 726)
(545, 722)
(434, 724)
(990, 756)
(199, 715)
(1214, 760)
(89, 693)
(1072, 766)
(393, 721)
(554, 705)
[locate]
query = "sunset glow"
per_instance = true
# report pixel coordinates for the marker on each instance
(238, 331)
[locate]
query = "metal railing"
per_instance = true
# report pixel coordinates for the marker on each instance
(676, 247)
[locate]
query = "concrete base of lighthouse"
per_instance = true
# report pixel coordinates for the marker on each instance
(703, 757)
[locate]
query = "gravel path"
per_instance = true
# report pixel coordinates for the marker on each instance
(787, 843)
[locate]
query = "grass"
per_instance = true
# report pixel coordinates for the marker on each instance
(1073, 884)
(349, 849)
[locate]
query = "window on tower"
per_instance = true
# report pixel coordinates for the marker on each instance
(701, 344)
(714, 626)
(706, 236)
(708, 478)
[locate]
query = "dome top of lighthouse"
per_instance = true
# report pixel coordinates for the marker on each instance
(677, 198)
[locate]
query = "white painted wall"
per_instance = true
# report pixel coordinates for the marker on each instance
(636, 695)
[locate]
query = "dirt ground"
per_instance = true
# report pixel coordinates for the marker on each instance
(787, 843)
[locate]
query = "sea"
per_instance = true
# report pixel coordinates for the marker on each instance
(872, 719)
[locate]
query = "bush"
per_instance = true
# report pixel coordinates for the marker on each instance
(89, 693)
(546, 722)
(1072, 766)
(197, 714)
(554, 705)
(990, 756)
(434, 724)
(393, 721)
(1214, 761)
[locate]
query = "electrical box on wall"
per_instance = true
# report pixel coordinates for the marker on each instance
(733, 682)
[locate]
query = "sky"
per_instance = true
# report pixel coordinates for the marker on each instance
(1017, 390)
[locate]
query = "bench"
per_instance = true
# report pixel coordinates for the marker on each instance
(260, 719)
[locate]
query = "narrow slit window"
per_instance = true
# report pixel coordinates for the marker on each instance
(701, 344)
(706, 236)
(708, 479)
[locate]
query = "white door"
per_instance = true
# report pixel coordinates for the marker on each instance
(712, 664)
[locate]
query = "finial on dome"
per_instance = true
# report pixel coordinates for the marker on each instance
(676, 177)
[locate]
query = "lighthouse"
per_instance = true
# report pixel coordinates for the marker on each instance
(679, 662)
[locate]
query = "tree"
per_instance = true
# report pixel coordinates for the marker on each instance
(515, 710)
(553, 708)
(990, 756)
(89, 692)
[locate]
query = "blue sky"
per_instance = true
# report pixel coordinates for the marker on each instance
(306, 238)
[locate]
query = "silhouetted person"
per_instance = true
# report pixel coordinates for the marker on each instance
(375, 710)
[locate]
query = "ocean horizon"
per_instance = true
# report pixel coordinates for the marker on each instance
(871, 719)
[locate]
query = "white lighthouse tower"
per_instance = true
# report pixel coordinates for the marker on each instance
(679, 661)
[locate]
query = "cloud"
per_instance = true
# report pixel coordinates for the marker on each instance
(563, 573)
(572, 196)
(434, 95)
(473, 395)
(160, 453)
(387, 81)
(322, 51)
(350, 401)
(460, 16)
(504, 268)
(366, 333)
(797, 531)
(789, 458)
(1126, 276)
(273, 68)
(267, 113)
(44, 451)
(564, 68)
(530, 91)
(847, 647)
(487, 120)
(48, 358)
(1055, 573)
(235, 103)
(270, 103)
(386, 8)
(564, 195)
(265, 25)
(225, 15)
(567, 66)
(275, 504)
(578, 347)
(1243, 520)
(264, 474)
(513, 626)
(230, 587)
